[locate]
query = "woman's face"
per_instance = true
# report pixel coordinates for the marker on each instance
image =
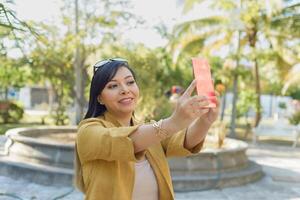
(120, 95)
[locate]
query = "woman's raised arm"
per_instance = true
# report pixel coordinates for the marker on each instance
(188, 108)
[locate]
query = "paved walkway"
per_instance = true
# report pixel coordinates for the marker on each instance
(281, 165)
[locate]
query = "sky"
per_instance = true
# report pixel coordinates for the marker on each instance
(153, 11)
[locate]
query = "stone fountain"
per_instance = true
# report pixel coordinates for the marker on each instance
(215, 167)
(45, 155)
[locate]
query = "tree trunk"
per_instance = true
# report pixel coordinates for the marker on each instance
(234, 100)
(235, 89)
(258, 93)
(252, 33)
(5, 93)
(78, 75)
(223, 106)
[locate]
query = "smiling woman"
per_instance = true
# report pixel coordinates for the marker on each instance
(113, 89)
(119, 158)
(120, 95)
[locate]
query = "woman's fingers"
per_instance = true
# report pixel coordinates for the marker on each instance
(190, 89)
(200, 112)
(200, 104)
(198, 101)
(217, 99)
(196, 105)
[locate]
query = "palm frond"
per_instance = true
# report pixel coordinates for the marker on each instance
(187, 43)
(281, 34)
(198, 25)
(226, 5)
(218, 43)
(189, 4)
(287, 22)
(291, 7)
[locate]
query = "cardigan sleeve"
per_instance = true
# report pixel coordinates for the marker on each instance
(174, 145)
(94, 141)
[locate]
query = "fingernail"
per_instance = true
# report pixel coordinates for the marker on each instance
(211, 94)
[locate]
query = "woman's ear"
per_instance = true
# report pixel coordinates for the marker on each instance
(99, 100)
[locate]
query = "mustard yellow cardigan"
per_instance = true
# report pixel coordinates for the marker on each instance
(108, 161)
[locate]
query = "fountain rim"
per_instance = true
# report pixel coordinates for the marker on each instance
(15, 134)
(242, 146)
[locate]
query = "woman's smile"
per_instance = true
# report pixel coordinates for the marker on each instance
(126, 101)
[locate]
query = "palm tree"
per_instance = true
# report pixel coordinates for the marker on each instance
(261, 25)
(271, 26)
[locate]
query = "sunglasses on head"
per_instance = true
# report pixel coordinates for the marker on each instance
(106, 61)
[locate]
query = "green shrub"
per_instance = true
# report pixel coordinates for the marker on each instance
(11, 112)
(246, 101)
(163, 108)
(282, 105)
(295, 118)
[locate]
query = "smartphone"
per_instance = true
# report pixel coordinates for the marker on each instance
(204, 81)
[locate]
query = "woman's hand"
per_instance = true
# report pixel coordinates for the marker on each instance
(190, 108)
(213, 113)
(198, 128)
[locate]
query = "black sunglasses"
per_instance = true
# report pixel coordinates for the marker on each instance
(101, 63)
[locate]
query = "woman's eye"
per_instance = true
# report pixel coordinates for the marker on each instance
(112, 86)
(130, 82)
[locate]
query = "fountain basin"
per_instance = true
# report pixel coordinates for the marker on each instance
(45, 155)
(214, 168)
(41, 154)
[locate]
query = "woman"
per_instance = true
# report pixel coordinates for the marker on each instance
(121, 159)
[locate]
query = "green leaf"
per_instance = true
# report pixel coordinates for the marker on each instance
(189, 4)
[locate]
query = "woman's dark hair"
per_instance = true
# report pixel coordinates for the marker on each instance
(101, 77)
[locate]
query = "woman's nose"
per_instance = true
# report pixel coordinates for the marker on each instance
(124, 89)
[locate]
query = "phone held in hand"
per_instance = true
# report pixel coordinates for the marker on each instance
(204, 81)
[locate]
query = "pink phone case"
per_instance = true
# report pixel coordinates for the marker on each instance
(204, 81)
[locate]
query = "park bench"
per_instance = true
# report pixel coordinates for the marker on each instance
(277, 129)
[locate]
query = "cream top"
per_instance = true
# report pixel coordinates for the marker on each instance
(145, 185)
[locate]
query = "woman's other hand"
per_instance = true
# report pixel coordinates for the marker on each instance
(197, 130)
(189, 108)
(213, 113)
